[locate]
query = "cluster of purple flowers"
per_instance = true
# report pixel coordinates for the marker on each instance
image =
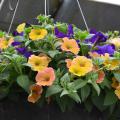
(96, 39)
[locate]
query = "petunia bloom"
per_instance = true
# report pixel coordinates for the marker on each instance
(70, 45)
(15, 33)
(111, 64)
(35, 94)
(60, 34)
(45, 77)
(101, 74)
(21, 28)
(69, 62)
(110, 49)
(116, 42)
(38, 63)
(37, 34)
(81, 65)
(97, 38)
(24, 52)
(16, 43)
(4, 43)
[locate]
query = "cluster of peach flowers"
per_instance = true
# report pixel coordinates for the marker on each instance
(44, 77)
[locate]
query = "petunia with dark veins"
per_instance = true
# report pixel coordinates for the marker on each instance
(15, 33)
(110, 49)
(16, 43)
(97, 38)
(60, 34)
(24, 52)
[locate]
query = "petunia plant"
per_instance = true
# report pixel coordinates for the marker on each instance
(59, 62)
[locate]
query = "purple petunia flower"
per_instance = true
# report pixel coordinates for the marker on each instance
(60, 34)
(15, 33)
(21, 50)
(24, 52)
(16, 43)
(92, 31)
(97, 37)
(110, 49)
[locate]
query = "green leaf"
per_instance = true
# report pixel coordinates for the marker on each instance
(53, 53)
(64, 92)
(79, 84)
(23, 81)
(75, 96)
(52, 90)
(98, 101)
(96, 87)
(110, 98)
(85, 92)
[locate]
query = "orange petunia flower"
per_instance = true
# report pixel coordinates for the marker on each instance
(45, 77)
(94, 54)
(38, 63)
(117, 92)
(35, 94)
(70, 45)
(4, 43)
(115, 83)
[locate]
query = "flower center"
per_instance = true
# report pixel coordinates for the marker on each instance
(82, 64)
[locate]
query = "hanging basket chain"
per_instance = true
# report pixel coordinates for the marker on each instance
(80, 8)
(11, 23)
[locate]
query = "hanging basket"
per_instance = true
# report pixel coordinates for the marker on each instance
(58, 62)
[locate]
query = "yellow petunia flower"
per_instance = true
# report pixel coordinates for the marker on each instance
(21, 27)
(81, 65)
(111, 64)
(4, 43)
(70, 45)
(38, 63)
(37, 34)
(116, 42)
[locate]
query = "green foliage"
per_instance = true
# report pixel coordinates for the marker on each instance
(24, 82)
(110, 98)
(85, 92)
(54, 89)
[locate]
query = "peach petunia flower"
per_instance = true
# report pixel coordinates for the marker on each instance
(4, 43)
(35, 94)
(70, 45)
(101, 74)
(81, 65)
(38, 63)
(45, 77)
(69, 62)
(37, 34)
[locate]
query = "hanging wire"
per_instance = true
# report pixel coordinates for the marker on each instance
(10, 6)
(11, 23)
(1, 4)
(45, 7)
(86, 25)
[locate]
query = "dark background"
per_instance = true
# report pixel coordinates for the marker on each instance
(98, 15)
